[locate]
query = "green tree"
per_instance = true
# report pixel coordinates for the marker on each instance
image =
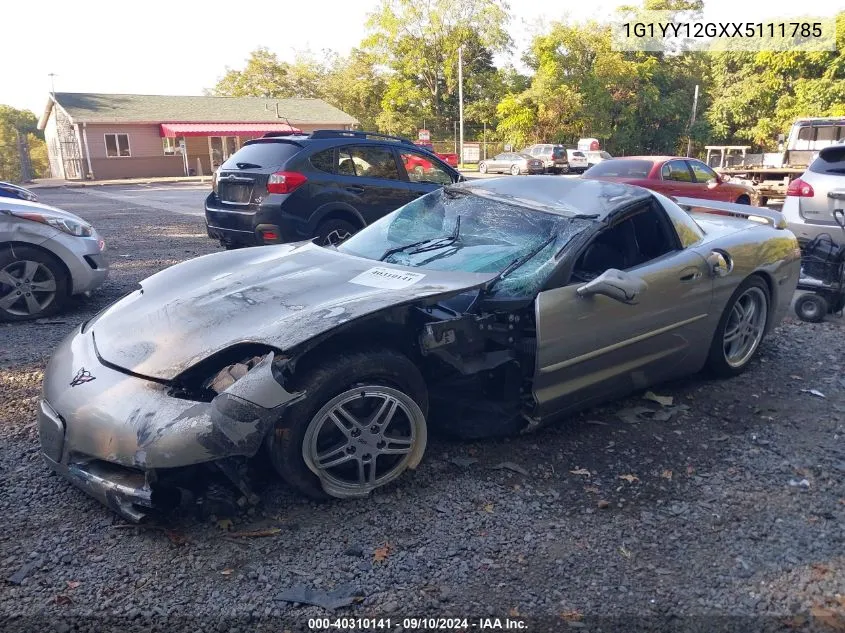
(418, 43)
(265, 76)
(14, 125)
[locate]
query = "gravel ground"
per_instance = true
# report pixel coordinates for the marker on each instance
(733, 506)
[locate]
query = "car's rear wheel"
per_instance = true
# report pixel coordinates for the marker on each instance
(483, 168)
(515, 170)
(33, 284)
(564, 169)
(360, 426)
(741, 328)
(334, 232)
(811, 307)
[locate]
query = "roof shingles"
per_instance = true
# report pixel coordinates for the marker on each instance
(89, 107)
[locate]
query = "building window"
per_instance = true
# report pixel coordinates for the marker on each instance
(172, 145)
(117, 145)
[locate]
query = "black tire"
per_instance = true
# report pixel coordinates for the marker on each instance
(323, 379)
(12, 261)
(563, 170)
(335, 232)
(482, 168)
(743, 200)
(717, 363)
(230, 247)
(811, 307)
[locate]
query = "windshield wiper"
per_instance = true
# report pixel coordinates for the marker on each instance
(443, 240)
(507, 270)
(248, 166)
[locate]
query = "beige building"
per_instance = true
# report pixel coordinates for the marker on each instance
(106, 136)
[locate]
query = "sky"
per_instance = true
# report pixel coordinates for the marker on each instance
(183, 46)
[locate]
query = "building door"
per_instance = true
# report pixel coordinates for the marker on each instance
(220, 148)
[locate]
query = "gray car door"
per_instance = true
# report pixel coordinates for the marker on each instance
(593, 348)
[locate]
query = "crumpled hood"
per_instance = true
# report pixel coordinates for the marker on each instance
(277, 295)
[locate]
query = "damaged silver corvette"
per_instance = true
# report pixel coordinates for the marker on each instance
(484, 308)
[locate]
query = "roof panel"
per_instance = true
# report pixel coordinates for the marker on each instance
(84, 107)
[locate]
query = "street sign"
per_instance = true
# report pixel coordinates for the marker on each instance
(424, 135)
(472, 152)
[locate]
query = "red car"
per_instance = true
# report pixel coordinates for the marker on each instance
(673, 176)
(449, 159)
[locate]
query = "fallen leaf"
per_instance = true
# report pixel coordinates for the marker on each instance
(256, 533)
(663, 401)
(629, 478)
(227, 572)
(225, 524)
(488, 507)
(626, 553)
(796, 378)
(381, 553)
(814, 392)
(592, 489)
(176, 538)
(512, 467)
(572, 616)
(63, 600)
(73, 584)
(666, 474)
(580, 471)
(514, 612)
(604, 504)
(690, 470)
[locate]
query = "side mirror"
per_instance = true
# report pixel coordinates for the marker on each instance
(725, 178)
(616, 284)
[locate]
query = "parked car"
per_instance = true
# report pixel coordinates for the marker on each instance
(326, 185)
(512, 163)
(46, 256)
(812, 198)
(498, 305)
(673, 176)
(577, 161)
(594, 157)
(449, 158)
(555, 158)
(8, 190)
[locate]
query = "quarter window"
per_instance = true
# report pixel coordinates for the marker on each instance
(324, 161)
(117, 145)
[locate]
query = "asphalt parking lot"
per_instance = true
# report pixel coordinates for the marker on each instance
(728, 502)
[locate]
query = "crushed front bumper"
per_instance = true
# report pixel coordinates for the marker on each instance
(110, 433)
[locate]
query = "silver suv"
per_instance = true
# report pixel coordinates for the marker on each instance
(812, 198)
(554, 157)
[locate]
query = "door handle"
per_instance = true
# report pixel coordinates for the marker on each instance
(355, 189)
(691, 275)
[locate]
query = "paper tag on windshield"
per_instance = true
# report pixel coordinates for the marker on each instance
(387, 278)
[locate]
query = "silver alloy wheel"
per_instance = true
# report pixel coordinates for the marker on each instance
(336, 237)
(745, 327)
(26, 288)
(364, 438)
(515, 170)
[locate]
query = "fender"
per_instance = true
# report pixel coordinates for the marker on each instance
(332, 207)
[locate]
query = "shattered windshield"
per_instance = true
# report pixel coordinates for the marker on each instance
(456, 230)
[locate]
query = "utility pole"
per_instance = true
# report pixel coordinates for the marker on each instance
(484, 141)
(692, 120)
(461, 100)
(455, 127)
(52, 77)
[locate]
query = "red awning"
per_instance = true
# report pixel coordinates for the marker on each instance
(172, 130)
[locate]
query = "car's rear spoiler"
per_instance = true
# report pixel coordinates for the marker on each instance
(757, 214)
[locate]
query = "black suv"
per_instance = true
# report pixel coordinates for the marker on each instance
(328, 184)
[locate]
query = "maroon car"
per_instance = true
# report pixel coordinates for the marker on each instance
(673, 176)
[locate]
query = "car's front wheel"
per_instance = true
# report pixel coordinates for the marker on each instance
(741, 328)
(32, 284)
(483, 168)
(361, 424)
